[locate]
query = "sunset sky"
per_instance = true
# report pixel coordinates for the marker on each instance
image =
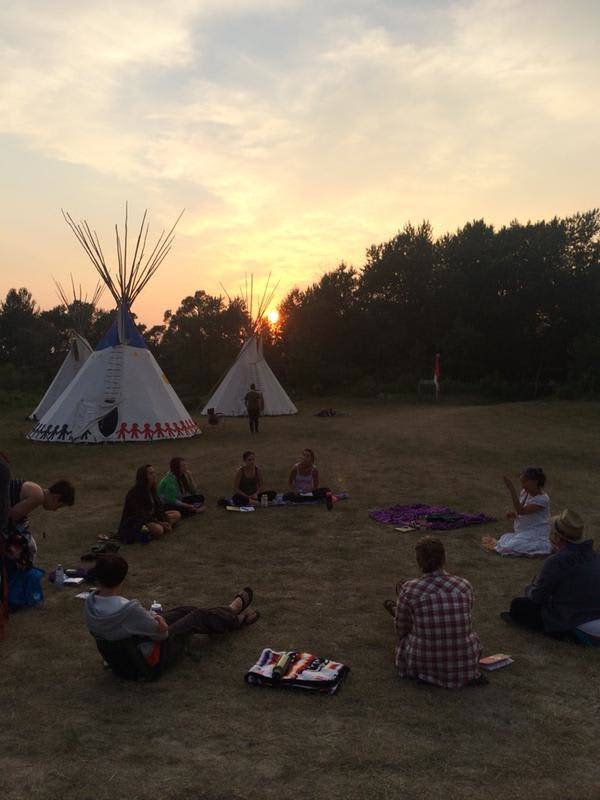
(295, 134)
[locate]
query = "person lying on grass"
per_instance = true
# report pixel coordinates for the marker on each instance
(143, 514)
(160, 639)
(303, 481)
(531, 516)
(177, 490)
(248, 487)
(564, 598)
(435, 639)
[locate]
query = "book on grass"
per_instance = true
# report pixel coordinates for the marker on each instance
(240, 508)
(496, 661)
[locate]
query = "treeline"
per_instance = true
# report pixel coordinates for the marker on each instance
(513, 311)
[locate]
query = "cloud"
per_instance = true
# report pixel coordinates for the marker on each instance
(297, 133)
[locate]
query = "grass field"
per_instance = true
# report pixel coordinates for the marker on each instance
(72, 730)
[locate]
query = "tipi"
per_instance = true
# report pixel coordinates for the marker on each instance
(250, 367)
(79, 348)
(120, 394)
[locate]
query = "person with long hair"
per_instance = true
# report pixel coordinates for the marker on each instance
(248, 485)
(177, 490)
(144, 516)
(303, 481)
(530, 514)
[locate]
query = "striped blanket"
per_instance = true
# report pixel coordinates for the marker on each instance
(307, 672)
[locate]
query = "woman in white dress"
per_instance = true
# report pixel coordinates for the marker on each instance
(531, 516)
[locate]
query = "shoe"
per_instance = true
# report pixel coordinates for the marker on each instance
(390, 607)
(481, 680)
(251, 617)
(245, 596)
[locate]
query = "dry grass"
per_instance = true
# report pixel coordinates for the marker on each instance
(70, 729)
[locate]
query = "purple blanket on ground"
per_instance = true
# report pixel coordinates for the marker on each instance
(435, 518)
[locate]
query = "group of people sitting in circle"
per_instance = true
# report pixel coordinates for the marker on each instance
(153, 507)
(435, 640)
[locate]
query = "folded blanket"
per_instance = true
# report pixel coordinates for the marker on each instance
(307, 671)
(436, 518)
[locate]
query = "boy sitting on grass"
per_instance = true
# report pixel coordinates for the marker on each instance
(160, 640)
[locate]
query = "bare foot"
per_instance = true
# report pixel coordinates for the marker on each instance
(489, 543)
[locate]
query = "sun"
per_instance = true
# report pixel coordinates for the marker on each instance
(273, 316)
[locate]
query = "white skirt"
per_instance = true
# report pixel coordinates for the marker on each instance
(532, 541)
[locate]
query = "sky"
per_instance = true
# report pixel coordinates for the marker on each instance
(294, 133)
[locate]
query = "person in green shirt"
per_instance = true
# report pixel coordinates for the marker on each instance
(177, 490)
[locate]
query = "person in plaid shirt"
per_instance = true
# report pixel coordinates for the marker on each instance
(436, 642)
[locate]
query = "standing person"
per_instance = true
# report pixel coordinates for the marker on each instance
(303, 481)
(254, 405)
(433, 617)
(531, 518)
(143, 510)
(141, 644)
(564, 597)
(177, 490)
(248, 483)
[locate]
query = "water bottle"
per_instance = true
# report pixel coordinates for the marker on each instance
(264, 500)
(281, 667)
(59, 576)
(156, 607)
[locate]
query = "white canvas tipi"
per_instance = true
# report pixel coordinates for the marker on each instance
(250, 367)
(120, 394)
(79, 348)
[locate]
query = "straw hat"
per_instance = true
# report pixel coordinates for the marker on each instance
(568, 525)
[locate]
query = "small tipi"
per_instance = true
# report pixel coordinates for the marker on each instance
(120, 394)
(79, 348)
(250, 367)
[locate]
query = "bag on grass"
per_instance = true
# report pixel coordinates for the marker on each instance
(306, 671)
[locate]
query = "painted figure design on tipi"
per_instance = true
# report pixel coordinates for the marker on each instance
(250, 366)
(121, 380)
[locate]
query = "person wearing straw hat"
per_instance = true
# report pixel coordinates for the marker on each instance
(565, 594)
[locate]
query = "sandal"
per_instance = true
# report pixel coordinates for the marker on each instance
(390, 607)
(251, 617)
(246, 596)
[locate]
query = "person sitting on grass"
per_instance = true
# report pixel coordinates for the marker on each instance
(138, 643)
(248, 483)
(303, 481)
(177, 490)
(435, 639)
(564, 598)
(20, 548)
(143, 516)
(531, 515)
